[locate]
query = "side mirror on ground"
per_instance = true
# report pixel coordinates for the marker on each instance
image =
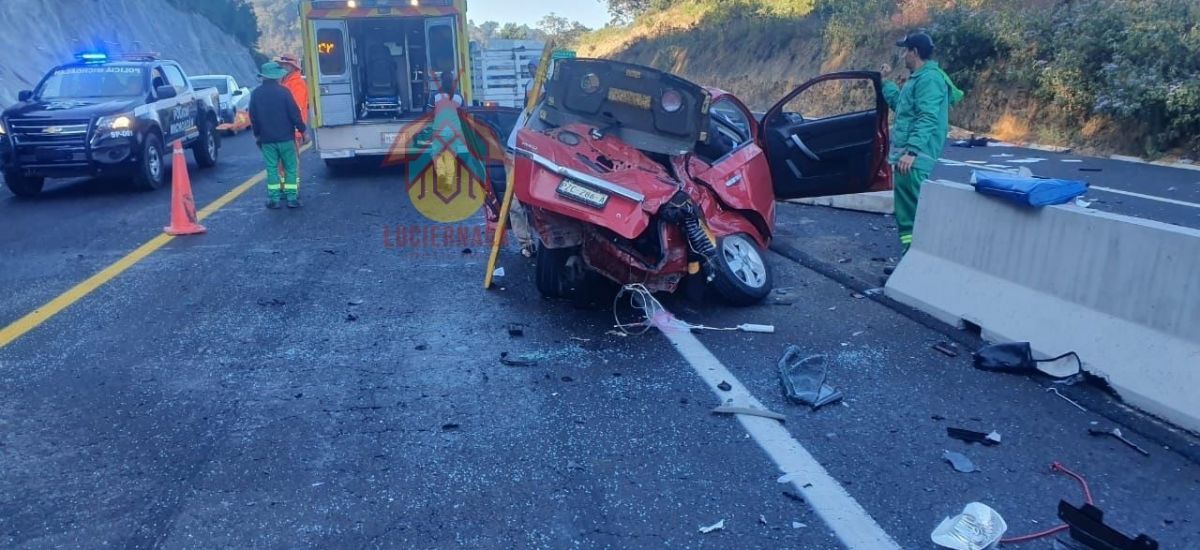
(24, 95)
(166, 92)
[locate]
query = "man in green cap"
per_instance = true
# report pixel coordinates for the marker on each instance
(275, 119)
(922, 123)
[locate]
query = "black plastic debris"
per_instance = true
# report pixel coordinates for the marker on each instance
(1017, 358)
(516, 330)
(350, 317)
(421, 347)
(724, 386)
(510, 362)
(1088, 527)
(960, 462)
(449, 427)
(971, 436)
(271, 302)
(803, 379)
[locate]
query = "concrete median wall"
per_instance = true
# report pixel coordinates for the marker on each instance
(1124, 293)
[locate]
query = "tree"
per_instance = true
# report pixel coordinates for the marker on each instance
(560, 29)
(513, 31)
(483, 33)
(623, 11)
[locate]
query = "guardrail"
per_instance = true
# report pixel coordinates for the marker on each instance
(1122, 292)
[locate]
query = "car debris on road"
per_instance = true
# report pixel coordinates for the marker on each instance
(960, 462)
(1115, 433)
(978, 527)
(803, 379)
(971, 436)
(714, 527)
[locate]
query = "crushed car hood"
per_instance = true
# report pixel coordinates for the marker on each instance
(636, 185)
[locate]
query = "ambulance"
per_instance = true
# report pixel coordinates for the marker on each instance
(374, 67)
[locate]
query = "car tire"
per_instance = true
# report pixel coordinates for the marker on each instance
(151, 171)
(743, 277)
(557, 275)
(207, 147)
(24, 186)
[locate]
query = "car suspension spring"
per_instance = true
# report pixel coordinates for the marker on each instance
(698, 238)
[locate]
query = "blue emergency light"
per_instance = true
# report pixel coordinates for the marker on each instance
(92, 57)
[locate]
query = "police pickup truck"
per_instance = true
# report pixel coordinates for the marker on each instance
(106, 116)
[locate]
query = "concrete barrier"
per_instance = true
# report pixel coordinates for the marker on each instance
(1122, 292)
(878, 202)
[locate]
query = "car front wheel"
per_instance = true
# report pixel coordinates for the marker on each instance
(743, 277)
(559, 271)
(23, 186)
(151, 172)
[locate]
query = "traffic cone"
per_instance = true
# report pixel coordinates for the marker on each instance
(183, 206)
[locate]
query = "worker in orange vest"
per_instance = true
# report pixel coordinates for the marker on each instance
(294, 82)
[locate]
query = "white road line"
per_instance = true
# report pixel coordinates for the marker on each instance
(1147, 197)
(856, 529)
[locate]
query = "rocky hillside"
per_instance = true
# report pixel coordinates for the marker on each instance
(1101, 75)
(40, 34)
(279, 21)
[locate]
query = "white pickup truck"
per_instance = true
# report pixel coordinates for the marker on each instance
(234, 97)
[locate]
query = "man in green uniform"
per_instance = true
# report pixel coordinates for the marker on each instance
(922, 123)
(275, 119)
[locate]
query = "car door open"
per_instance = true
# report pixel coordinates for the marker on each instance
(829, 137)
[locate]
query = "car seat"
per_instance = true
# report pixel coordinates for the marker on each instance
(383, 93)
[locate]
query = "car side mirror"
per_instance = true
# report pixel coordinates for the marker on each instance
(237, 92)
(24, 95)
(166, 92)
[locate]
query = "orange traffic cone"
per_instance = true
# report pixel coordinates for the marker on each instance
(183, 207)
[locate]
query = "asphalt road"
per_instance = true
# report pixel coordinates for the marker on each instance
(293, 380)
(1161, 193)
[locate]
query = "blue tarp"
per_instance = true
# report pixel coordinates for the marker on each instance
(1028, 190)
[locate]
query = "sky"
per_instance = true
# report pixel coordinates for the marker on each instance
(592, 13)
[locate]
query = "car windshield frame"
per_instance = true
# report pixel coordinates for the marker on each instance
(113, 76)
(221, 84)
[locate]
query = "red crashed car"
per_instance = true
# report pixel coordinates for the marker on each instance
(643, 177)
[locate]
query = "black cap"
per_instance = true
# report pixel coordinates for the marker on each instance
(918, 41)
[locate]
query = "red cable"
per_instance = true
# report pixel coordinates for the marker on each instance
(1087, 497)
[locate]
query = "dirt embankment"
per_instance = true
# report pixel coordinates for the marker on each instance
(1027, 95)
(40, 34)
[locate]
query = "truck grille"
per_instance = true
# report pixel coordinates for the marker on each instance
(56, 132)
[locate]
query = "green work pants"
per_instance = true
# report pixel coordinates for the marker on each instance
(907, 191)
(284, 153)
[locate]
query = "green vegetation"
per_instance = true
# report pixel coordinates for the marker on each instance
(1110, 74)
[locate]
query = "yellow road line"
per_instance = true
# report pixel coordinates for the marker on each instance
(40, 315)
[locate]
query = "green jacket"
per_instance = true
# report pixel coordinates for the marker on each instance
(922, 114)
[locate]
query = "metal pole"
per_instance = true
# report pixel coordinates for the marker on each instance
(501, 224)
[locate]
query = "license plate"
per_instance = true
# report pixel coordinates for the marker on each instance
(576, 192)
(389, 138)
(627, 97)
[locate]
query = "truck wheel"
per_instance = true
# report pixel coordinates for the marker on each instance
(743, 277)
(559, 271)
(206, 147)
(151, 172)
(24, 186)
